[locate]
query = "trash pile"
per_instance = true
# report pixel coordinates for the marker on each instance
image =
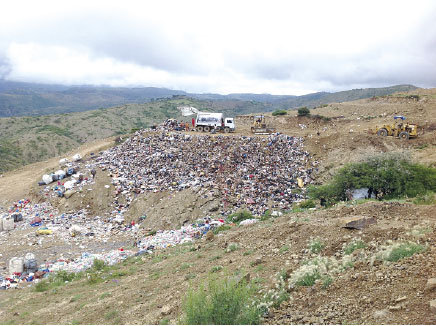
(167, 238)
(86, 260)
(25, 270)
(247, 171)
(80, 177)
(26, 212)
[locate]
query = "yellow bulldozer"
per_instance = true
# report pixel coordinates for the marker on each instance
(259, 126)
(398, 129)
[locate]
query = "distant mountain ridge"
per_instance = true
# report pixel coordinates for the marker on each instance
(31, 99)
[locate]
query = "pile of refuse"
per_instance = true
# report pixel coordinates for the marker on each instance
(167, 238)
(247, 171)
(25, 269)
(79, 173)
(26, 212)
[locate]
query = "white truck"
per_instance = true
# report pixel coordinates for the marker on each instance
(206, 121)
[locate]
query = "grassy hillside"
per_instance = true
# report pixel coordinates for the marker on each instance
(30, 139)
(20, 99)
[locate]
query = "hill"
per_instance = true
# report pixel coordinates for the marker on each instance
(22, 99)
(29, 139)
(305, 263)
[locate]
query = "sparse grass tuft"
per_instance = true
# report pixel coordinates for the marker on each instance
(284, 249)
(425, 199)
(216, 268)
(232, 247)
(316, 246)
(42, 286)
(358, 244)
(399, 251)
(221, 228)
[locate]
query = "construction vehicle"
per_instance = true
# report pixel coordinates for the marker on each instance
(208, 121)
(400, 130)
(259, 126)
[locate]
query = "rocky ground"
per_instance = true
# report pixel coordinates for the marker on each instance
(360, 288)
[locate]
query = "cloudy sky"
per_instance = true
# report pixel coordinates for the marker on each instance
(277, 47)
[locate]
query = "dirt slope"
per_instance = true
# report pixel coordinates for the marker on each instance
(151, 289)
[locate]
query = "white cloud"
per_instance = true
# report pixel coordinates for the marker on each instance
(280, 47)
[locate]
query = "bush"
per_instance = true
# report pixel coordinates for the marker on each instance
(221, 302)
(387, 176)
(279, 112)
(303, 112)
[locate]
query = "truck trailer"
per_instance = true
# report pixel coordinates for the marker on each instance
(206, 121)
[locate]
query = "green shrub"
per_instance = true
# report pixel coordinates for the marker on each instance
(303, 112)
(279, 112)
(326, 281)
(232, 247)
(387, 176)
(221, 302)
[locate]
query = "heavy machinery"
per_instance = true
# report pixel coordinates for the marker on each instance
(259, 126)
(400, 129)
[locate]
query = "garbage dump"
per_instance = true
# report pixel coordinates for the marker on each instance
(254, 172)
(250, 171)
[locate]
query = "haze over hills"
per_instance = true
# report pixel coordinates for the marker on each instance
(30, 99)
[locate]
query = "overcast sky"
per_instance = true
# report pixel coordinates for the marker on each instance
(277, 47)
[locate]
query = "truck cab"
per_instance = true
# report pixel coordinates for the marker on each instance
(229, 123)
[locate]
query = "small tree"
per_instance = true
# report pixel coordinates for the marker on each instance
(303, 112)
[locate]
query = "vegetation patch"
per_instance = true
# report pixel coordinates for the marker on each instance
(240, 216)
(387, 176)
(307, 204)
(316, 246)
(354, 245)
(221, 302)
(397, 251)
(279, 112)
(303, 112)
(425, 199)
